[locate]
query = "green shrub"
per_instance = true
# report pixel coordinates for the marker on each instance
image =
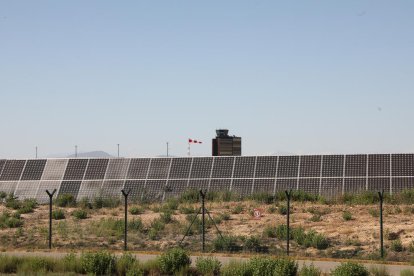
(13, 222)
(315, 218)
(373, 212)
(98, 263)
(12, 202)
(252, 244)
(347, 215)
(320, 242)
(225, 216)
(407, 272)
(80, 214)
(271, 266)
(272, 209)
(71, 263)
(269, 231)
(349, 268)
(135, 225)
(238, 209)
(283, 210)
(226, 243)
(84, 203)
(281, 232)
(187, 210)
(65, 200)
(166, 217)
(9, 264)
(58, 214)
(135, 210)
(397, 246)
(27, 206)
(153, 234)
(125, 263)
(3, 195)
(190, 196)
(237, 268)
(101, 202)
(34, 265)
(171, 205)
(173, 260)
(8, 221)
(310, 270)
(208, 266)
(263, 197)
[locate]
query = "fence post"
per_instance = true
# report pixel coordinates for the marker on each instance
(288, 195)
(125, 194)
(50, 194)
(203, 225)
(381, 197)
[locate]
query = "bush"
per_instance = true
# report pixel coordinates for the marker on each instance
(373, 212)
(135, 225)
(407, 272)
(281, 232)
(208, 266)
(397, 246)
(7, 221)
(100, 202)
(65, 200)
(98, 263)
(252, 244)
(58, 214)
(80, 214)
(263, 197)
(34, 265)
(27, 206)
(238, 209)
(283, 210)
(310, 270)
(12, 202)
(125, 263)
(270, 231)
(226, 243)
(190, 196)
(349, 268)
(135, 210)
(347, 215)
(171, 205)
(173, 260)
(320, 242)
(166, 217)
(270, 266)
(237, 268)
(71, 263)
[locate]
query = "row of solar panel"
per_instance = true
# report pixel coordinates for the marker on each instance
(161, 189)
(209, 167)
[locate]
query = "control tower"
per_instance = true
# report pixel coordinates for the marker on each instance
(226, 145)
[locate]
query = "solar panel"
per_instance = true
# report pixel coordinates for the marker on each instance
(33, 169)
(354, 185)
(112, 188)
(136, 187)
(26, 189)
(310, 166)
(54, 169)
(223, 167)
(264, 186)
(378, 184)
(197, 184)
(138, 168)
(331, 187)
(8, 186)
(285, 184)
(117, 168)
(201, 167)
(90, 189)
(2, 162)
(180, 168)
(402, 164)
(379, 165)
(309, 185)
(41, 195)
(75, 169)
(154, 190)
(175, 187)
(402, 183)
(96, 169)
(159, 168)
(356, 165)
(12, 170)
(219, 185)
(288, 166)
(266, 166)
(244, 167)
(242, 187)
(70, 187)
(333, 166)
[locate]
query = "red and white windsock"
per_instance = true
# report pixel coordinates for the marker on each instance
(192, 141)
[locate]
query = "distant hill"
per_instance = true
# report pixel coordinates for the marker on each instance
(92, 154)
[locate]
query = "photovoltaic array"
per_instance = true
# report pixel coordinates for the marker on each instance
(161, 178)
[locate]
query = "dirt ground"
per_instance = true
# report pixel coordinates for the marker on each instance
(354, 238)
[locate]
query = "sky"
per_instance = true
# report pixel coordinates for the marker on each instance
(289, 77)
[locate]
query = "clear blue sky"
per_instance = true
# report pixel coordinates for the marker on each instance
(286, 76)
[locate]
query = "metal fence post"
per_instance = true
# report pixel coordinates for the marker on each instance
(125, 194)
(381, 197)
(50, 194)
(203, 225)
(288, 195)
